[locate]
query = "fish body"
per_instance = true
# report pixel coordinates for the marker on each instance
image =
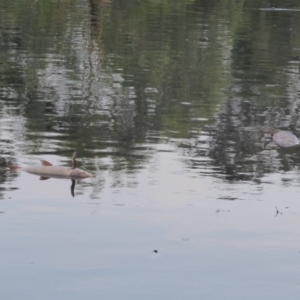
(47, 170)
(285, 139)
(57, 172)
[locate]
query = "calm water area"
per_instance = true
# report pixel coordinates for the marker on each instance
(170, 104)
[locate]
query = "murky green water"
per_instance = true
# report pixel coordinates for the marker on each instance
(167, 103)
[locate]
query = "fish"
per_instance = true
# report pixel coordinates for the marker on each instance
(284, 139)
(46, 170)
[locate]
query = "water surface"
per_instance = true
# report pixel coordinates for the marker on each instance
(167, 103)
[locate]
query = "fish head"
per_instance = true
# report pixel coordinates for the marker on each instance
(80, 174)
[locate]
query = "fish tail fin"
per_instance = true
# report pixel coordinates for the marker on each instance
(14, 168)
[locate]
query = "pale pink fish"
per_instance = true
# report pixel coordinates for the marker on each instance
(285, 139)
(46, 170)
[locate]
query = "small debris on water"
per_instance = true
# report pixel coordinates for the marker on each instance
(277, 212)
(228, 198)
(222, 210)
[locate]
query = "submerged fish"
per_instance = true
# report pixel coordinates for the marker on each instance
(46, 170)
(284, 138)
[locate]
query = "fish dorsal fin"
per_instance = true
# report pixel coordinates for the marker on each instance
(46, 163)
(74, 160)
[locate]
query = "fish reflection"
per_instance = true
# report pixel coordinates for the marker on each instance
(46, 170)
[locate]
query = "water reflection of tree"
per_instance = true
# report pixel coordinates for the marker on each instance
(263, 94)
(178, 70)
(161, 65)
(151, 69)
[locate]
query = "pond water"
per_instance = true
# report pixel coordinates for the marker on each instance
(171, 105)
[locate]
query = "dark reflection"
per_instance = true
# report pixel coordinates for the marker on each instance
(73, 187)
